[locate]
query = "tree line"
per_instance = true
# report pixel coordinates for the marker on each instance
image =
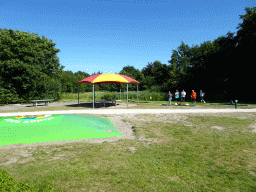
(223, 68)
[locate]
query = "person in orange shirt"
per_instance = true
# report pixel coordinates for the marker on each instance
(193, 96)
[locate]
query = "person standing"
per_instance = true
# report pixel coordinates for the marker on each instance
(202, 96)
(183, 94)
(193, 96)
(150, 99)
(177, 96)
(170, 97)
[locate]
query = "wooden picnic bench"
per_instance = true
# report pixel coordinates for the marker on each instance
(104, 101)
(41, 101)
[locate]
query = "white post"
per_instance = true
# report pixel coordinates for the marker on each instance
(93, 95)
(127, 94)
(137, 94)
(120, 92)
(78, 94)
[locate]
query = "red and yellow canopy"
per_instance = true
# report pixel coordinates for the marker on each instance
(108, 78)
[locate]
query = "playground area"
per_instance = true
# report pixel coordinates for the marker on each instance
(172, 151)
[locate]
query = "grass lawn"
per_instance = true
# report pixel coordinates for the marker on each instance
(172, 152)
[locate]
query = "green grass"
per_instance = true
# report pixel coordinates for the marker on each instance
(184, 158)
(185, 154)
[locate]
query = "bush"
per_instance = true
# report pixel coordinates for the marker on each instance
(108, 96)
(8, 96)
(7, 183)
(155, 88)
(158, 97)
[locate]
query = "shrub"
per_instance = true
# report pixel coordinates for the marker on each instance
(108, 96)
(7, 183)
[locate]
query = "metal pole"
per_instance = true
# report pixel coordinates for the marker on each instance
(120, 91)
(127, 94)
(93, 95)
(137, 94)
(78, 94)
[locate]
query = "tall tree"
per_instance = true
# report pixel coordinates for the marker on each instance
(27, 65)
(244, 53)
(130, 71)
(246, 34)
(180, 63)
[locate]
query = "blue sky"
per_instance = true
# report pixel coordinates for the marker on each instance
(107, 35)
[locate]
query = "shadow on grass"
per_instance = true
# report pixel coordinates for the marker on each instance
(226, 104)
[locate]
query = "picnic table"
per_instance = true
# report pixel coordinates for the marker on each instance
(41, 101)
(104, 101)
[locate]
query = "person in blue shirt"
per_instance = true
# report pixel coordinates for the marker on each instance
(202, 96)
(183, 94)
(177, 96)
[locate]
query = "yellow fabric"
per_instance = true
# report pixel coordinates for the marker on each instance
(110, 77)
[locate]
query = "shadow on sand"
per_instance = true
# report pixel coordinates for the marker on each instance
(90, 105)
(82, 105)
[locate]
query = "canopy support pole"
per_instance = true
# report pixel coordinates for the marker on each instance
(93, 95)
(137, 94)
(120, 91)
(78, 95)
(127, 94)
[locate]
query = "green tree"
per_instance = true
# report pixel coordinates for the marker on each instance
(246, 34)
(84, 87)
(149, 79)
(243, 74)
(26, 62)
(180, 64)
(130, 71)
(161, 75)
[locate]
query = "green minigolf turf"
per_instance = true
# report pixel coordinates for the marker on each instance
(46, 128)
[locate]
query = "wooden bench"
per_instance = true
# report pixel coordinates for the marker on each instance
(104, 101)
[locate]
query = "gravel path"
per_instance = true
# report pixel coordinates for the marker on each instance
(26, 106)
(129, 111)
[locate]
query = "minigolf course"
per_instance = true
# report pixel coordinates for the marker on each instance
(47, 128)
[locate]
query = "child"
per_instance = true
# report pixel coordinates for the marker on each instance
(202, 96)
(170, 97)
(177, 96)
